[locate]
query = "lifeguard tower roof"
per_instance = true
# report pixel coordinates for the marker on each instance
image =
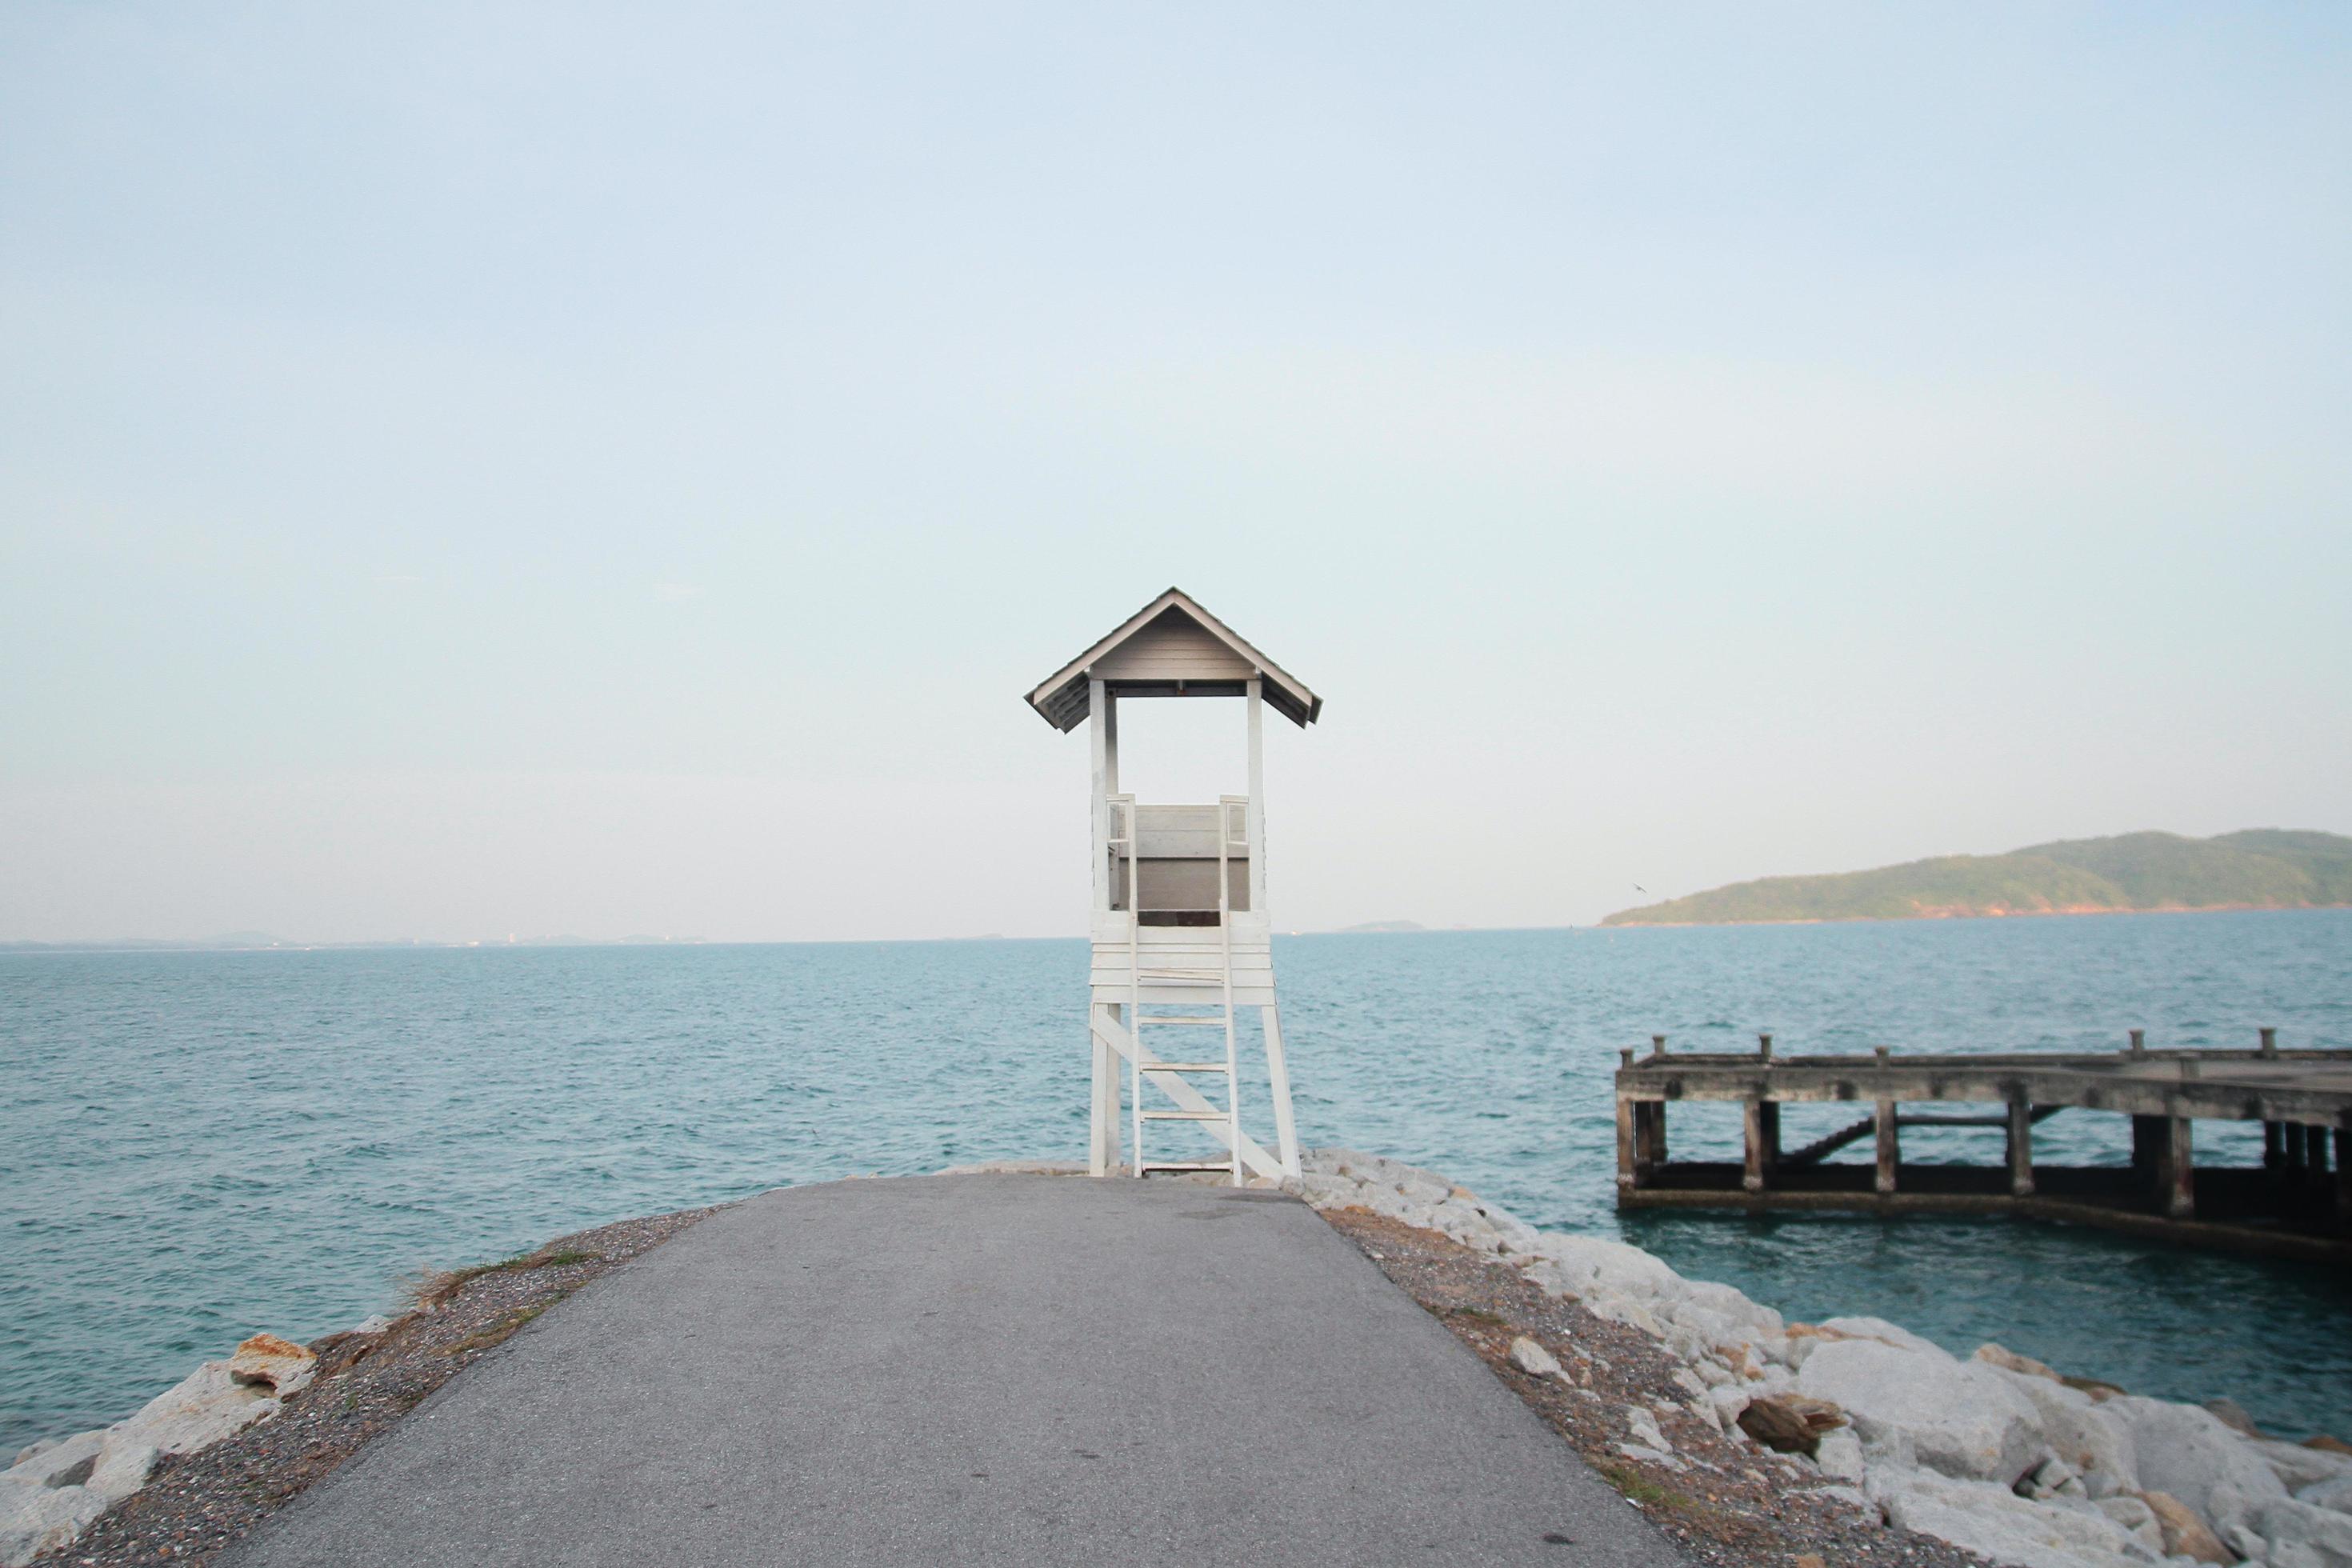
(1171, 647)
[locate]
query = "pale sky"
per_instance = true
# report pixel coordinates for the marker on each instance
(468, 469)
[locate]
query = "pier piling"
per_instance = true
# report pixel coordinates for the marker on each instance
(2297, 1203)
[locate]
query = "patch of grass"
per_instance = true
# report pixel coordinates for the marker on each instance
(1479, 1315)
(1643, 1490)
(497, 1333)
(436, 1286)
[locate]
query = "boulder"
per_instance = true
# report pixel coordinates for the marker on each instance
(2233, 1415)
(275, 1365)
(2078, 1431)
(200, 1410)
(2297, 1467)
(2009, 1361)
(2335, 1493)
(2136, 1518)
(2188, 1453)
(1592, 1265)
(1533, 1359)
(1838, 1454)
(1643, 1427)
(1886, 1333)
(2185, 1534)
(52, 1496)
(1790, 1423)
(1910, 1407)
(2288, 1523)
(1993, 1521)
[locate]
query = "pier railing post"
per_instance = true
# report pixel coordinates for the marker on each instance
(1890, 1146)
(2021, 1146)
(2270, 1042)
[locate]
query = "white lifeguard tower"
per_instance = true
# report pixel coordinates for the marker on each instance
(1181, 937)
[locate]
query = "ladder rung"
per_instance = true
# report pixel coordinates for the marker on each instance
(1177, 973)
(1184, 1067)
(1195, 1023)
(1187, 1116)
(1186, 1165)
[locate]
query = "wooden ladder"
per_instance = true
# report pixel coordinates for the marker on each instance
(1221, 977)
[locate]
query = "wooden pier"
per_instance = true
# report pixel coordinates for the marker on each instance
(2297, 1203)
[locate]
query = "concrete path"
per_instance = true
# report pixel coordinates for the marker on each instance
(975, 1370)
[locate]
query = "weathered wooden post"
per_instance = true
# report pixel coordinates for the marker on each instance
(2274, 1145)
(1628, 1175)
(1761, 1124)
(1179, 917)
(1890, 1147)
(2139, 1042)
(2021, 1145)
(2343, 1172)
(2176, 1167)
(1652, 1131)
(2270, 1042)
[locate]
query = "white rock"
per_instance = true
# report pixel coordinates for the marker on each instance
(1840, 1455)
(2333, 1493)
(272, 1364)
(2076, 1428)
(1987, 1518)
(2297, 1467)
(1322, 1192)
(2187, 1452)
(1959, 1417)
(203, 1409)
(1880, 1329)
(1533, 1359)
(1728, 1403)
(1593, 1264)
(1644, 1429)
(2136, 1518)
(2287, 1522)
(2248, 1546)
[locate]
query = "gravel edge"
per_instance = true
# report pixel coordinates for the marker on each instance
(197, 1506)
(1735, 1504)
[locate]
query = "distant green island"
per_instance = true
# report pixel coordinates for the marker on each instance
(2261, 869)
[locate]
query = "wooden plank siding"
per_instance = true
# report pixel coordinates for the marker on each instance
(1174, 648)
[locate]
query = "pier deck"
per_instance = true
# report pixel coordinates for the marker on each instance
(2298, 1203)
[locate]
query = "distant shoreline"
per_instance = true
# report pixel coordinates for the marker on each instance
(2132, 873)
(1614, 924)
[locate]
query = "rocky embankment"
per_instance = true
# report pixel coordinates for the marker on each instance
(57, 1487)
(1997, 1454)
(199, 1465)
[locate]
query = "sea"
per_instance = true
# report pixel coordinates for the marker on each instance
(197, 1146)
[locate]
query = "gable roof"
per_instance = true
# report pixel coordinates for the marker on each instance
(1062, 698)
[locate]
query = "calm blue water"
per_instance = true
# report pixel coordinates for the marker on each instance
(197, 1146)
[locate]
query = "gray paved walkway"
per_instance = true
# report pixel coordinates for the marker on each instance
(975, 1370)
